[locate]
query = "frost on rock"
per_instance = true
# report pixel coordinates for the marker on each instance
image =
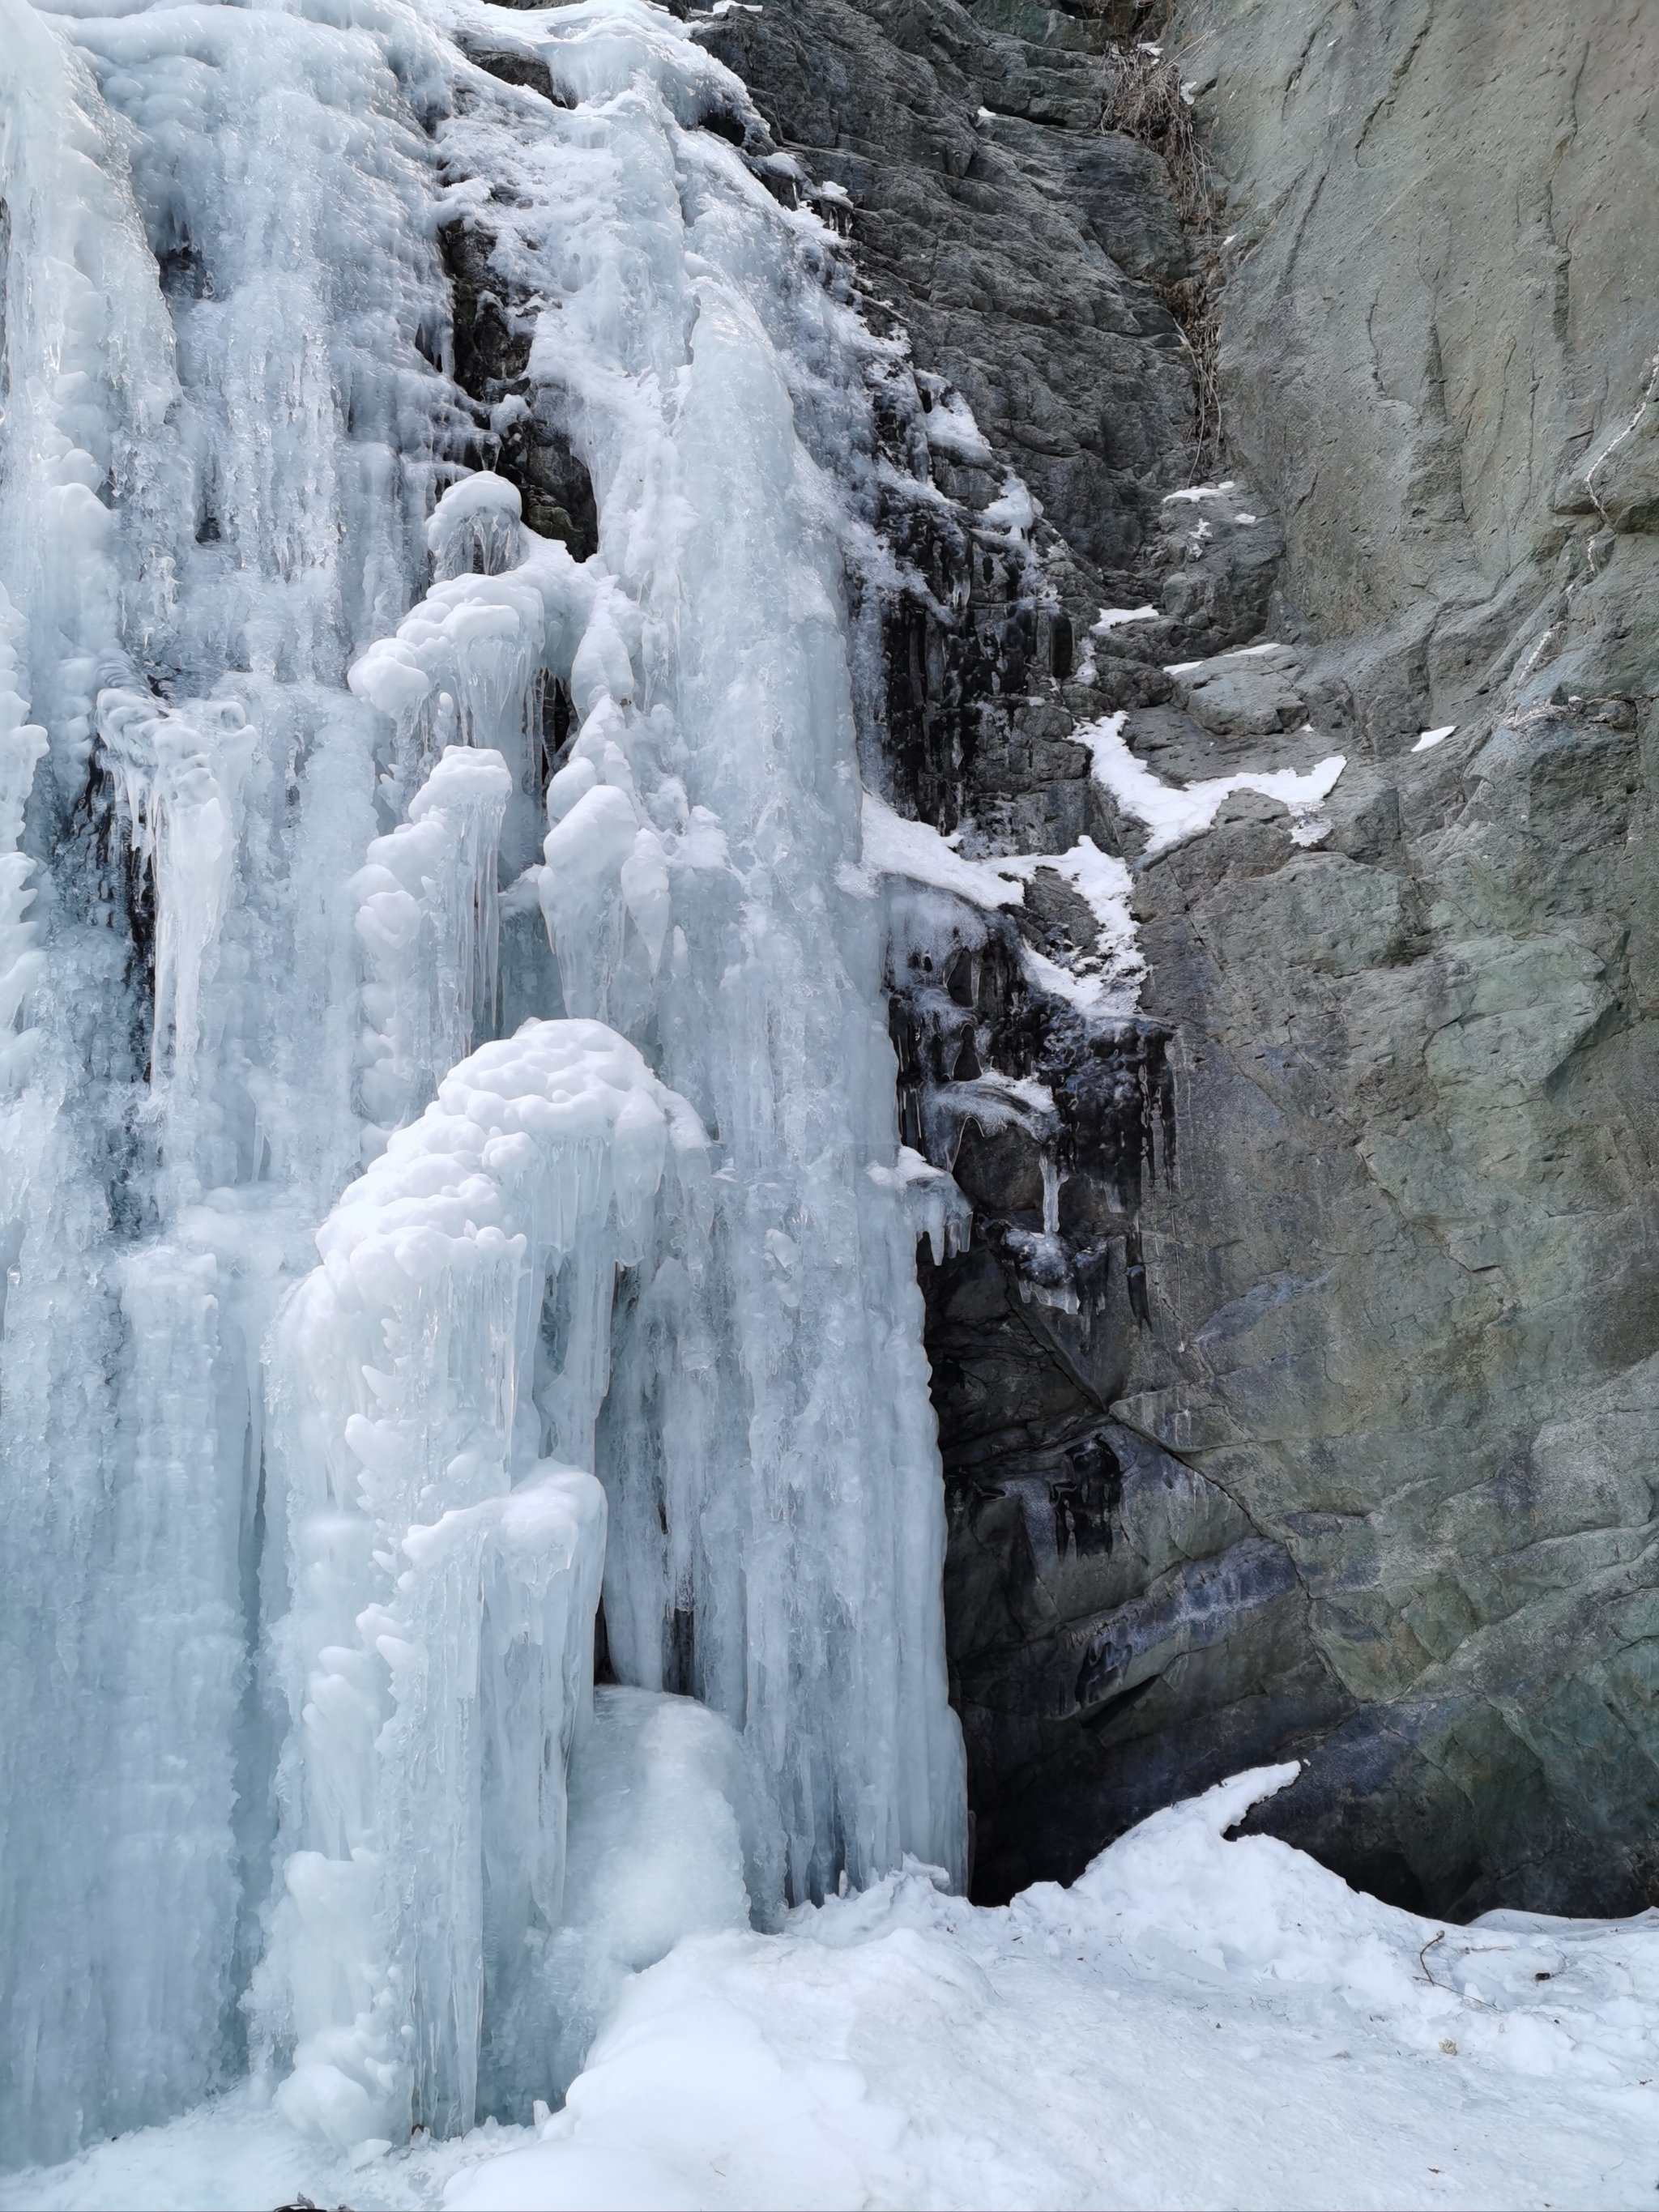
(915, 851)
(1089, 1084)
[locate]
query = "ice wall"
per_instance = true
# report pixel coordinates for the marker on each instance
(767, 1443)
(216, 458)
(271, 743)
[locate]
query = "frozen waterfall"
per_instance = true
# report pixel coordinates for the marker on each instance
(448, 1133)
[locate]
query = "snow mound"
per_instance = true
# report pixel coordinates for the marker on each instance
(1200, 2020)
(1197, 2021)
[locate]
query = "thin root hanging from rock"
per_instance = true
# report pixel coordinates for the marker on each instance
(1145, 98)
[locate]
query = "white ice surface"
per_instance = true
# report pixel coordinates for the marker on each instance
(1196, 2022)
(1430, 738)
(1173, 811)
(254, 684)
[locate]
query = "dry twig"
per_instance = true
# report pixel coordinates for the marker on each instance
(1143, 98)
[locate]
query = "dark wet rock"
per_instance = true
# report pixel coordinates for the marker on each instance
(527, 70)
(519, 433)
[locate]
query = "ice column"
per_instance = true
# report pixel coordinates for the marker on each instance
(769, 1446)
(220, 308)
(181, 773)
(111, 2010)
(22, 744)
(428, 916)
(441, 1373)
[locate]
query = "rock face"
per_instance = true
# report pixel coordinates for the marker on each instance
(1329, 1430)
(1408, 1307)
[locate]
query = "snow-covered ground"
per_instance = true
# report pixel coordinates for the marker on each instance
(1197, 2021)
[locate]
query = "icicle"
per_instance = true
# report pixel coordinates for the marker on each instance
(22, 746)
(1051, 1183)
(428, 919)
(174, 1875)
(936, 1207)
(477, 525)
(182, 772)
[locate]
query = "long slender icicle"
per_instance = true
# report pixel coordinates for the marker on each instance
(429, 922)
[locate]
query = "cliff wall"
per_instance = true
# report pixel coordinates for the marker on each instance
(1372, 1484)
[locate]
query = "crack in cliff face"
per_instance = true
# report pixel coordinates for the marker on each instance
(1402, 71)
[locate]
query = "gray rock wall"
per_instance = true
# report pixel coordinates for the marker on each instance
(1414, 1251)
(1372, 1483)
(1440, 278)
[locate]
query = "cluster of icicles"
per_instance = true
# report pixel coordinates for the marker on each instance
(306, 1556)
